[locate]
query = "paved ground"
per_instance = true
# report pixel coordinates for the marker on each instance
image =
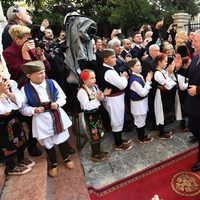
(120, 165)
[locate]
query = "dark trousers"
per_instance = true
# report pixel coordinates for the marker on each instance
(51, 153)
(194, 128)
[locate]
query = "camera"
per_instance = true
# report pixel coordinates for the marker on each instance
(174, 25)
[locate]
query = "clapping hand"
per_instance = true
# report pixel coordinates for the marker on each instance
(107, 92)
(170, 68)
(125, 74)
(149, 76)
(177, 61)
(99, 95)
(4, 86)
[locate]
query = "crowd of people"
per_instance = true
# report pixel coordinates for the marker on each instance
(154, 79)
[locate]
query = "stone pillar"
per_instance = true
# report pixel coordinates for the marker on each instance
(3, 23)
(181, 19)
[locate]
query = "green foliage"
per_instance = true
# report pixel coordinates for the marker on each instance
(190, 6)
(132, 14)
(109, 14)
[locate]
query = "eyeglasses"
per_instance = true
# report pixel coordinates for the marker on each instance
(15, 9)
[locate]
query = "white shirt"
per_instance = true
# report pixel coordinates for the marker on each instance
(168, 81)
(42, 123)
(6, 105)
(83, 98)
(113, 78)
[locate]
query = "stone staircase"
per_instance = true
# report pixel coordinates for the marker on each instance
(37, 185)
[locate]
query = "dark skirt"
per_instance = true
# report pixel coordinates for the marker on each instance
(12, 136)
(168, 102)
(95, 131)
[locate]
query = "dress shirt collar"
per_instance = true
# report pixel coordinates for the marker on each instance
(104, 64)
(37, 86)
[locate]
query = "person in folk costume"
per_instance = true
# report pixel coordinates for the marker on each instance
(12, 136)
(166, 98)
(139, 89)
(89, 97)
(114, 103)
(44, 99)
(182, 91)
(183, 50)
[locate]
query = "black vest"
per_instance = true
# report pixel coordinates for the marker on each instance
(103, 84)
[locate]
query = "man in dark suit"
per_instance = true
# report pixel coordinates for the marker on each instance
(127, 47)
(192, 104)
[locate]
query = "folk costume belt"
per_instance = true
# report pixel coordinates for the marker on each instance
(116, 94)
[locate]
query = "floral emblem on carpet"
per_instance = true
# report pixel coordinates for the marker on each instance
(186, 184)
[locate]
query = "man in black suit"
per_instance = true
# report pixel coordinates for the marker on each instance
(127, 47)
(192, 104)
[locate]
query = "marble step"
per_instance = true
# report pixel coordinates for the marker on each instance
(2, 176)
(32, 185)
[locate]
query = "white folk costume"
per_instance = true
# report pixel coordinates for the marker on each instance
(51, 126)
(139, 90)
(182, 92)
(43, 124)
(12, 135)
(166, 97)
(115, 102)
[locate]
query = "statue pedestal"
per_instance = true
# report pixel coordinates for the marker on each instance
(181, 19)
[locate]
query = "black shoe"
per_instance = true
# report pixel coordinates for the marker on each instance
(193, 138)
(71, 150)
(196, 167)
(34, 151)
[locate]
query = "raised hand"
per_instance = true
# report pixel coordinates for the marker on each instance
(107, 92)
(149, 76)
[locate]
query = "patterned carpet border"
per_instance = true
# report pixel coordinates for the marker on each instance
(141, 174)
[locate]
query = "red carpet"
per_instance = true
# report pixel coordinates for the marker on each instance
(171, 180)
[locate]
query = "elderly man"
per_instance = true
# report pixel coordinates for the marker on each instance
(192, 104)
(15, 15)
(147, 64)
(19, 16)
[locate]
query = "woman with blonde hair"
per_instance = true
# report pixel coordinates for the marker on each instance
(21, 51)
(181, 48)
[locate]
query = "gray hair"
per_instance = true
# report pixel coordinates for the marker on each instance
(197, 31)
(12, 11)
(153, 46)
(112, 43)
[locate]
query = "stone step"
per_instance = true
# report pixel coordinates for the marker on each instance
(32, 185)
(2, 176)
